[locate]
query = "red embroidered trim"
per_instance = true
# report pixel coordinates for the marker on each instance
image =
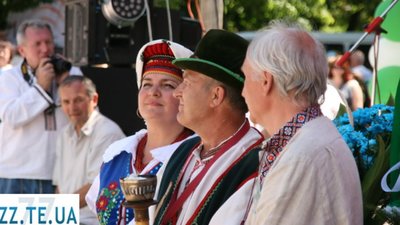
(177, 202)
(139, 166)
(278, 141)
(216, 183)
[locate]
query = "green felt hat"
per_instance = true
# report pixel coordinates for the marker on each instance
(220, 55)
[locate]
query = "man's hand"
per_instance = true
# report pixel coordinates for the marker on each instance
(45, 74)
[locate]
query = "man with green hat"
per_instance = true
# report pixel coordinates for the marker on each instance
(207, 170)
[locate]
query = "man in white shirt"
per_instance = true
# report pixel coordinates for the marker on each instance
(307, 174)
(82, 143)
(29, 113)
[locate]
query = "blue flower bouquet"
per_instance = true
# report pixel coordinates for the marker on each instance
(369, 140)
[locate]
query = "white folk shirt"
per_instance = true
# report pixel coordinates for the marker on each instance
(215, 171)
(78, 158)
(27, 149)
(313, 181)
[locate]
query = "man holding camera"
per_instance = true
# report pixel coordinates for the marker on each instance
(29, 112)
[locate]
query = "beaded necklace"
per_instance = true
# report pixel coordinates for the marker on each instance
(207, 155)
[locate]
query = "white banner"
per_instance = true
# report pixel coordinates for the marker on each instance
(39, 209)
(384, 184)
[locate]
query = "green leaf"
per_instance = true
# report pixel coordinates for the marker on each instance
(395, 146)
(390, 101)
(371, 184)
(342, 111)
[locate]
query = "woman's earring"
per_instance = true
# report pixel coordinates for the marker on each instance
(138, 114)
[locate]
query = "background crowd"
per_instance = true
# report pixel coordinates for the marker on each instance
(212, 166)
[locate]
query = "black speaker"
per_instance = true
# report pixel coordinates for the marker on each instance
(91, 39)
(117, 95)
(190, 32)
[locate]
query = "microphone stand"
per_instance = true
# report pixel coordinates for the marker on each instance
(374, 26)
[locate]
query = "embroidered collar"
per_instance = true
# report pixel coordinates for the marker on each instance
(127, 144)
(273, 146)
(138, 160)
(162, 154)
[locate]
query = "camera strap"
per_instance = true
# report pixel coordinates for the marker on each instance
(50, 112)
(25, 73)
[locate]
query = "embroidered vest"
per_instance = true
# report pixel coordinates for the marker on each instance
(244, 169)
(108, 204)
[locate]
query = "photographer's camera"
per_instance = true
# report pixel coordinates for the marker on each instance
(60, 65)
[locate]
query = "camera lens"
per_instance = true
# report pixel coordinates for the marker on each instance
(60, 65)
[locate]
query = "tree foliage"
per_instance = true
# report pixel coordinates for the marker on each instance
(244, 15)
(324, 15)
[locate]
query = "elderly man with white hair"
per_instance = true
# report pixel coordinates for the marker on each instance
(307, 174)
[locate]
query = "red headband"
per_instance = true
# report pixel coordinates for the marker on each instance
(157, 59)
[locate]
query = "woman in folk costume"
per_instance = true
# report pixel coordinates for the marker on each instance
(145, 151)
